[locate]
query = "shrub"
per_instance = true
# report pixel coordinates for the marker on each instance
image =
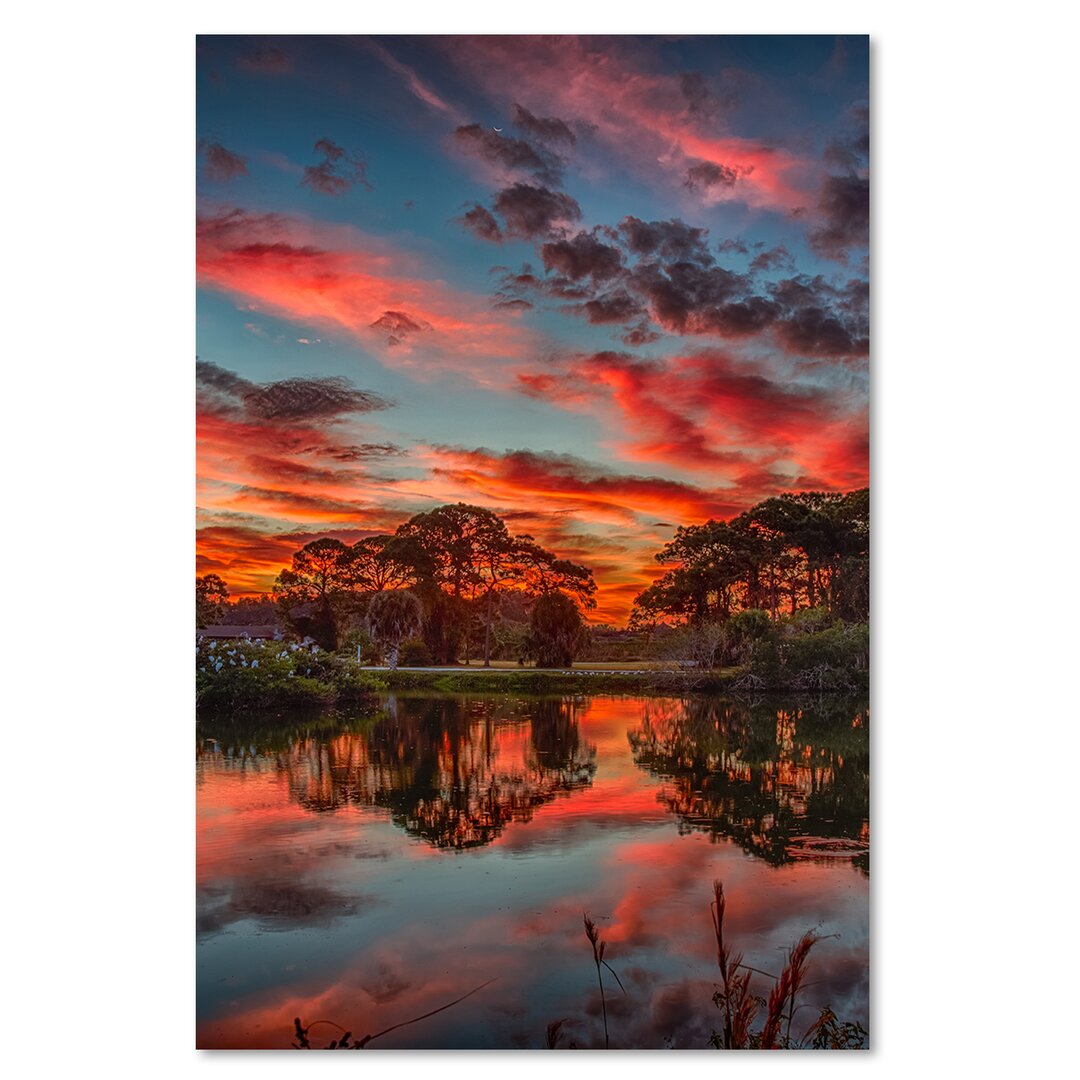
(415, 653)
(358, 643)
(810, 621)
(556, 631)
(742, 631)
(834, 658)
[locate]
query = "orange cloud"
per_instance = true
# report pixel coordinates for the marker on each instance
(706, 412)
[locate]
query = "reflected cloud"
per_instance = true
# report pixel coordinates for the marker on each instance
(275, 905)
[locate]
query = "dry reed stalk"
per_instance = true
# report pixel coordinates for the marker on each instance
(783, 993)
(554, 1030)
(598, 948)
(740, 1008)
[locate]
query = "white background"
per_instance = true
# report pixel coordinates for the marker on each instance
(974, 481)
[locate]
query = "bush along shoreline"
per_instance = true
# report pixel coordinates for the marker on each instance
(235, 675)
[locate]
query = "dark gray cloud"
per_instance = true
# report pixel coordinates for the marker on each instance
(672, 239)
(358, 452)
(613, 307)
(844, 207)
(728, 247)
(815, 331)
(843, 203)
(311, 399)
(210, 376)
(398, 326)
(850, 152)
(338, 172)
(639, 334)
(481, 221)
(706, 175)
(549, 129)
(772, 259)
(581, 256)
(699, 100)
(510, 153)
(321, 399)
(529, 212)
(706, 99)
(223, 165)
(681, 295)
(650, 275)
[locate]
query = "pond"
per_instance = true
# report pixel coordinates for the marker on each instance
(367, 868)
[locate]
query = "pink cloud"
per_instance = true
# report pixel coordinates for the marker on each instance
(640, 115)
(337, 278)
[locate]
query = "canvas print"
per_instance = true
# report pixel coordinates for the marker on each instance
(532, 560)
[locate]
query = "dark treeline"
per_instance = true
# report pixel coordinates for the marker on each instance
(783, 588)
(462, 564)
(809, 550)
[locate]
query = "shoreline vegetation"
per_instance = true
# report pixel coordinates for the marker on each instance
(246, 675)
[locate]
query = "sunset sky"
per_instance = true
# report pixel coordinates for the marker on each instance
(603, 287)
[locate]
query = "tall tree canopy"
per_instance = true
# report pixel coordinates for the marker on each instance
(320, 584)
(211, 597)
(467, 554)
(457, 559)
(805, 550)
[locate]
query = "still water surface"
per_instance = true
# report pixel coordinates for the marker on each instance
(373, 866)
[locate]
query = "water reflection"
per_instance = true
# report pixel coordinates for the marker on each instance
(374, 866)
(784, 783)
(452, 771)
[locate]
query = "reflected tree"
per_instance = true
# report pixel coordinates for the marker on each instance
(783, 783)
(451, 771)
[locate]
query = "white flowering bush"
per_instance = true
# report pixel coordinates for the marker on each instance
(243, 673)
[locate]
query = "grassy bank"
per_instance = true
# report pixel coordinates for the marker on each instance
(540, 681)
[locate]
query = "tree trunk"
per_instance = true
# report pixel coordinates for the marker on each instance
(487, 632)
(392, 656)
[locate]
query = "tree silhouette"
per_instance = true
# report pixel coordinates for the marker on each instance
(792, 551)
(211, 597)
(464, 557)
(320, 584)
